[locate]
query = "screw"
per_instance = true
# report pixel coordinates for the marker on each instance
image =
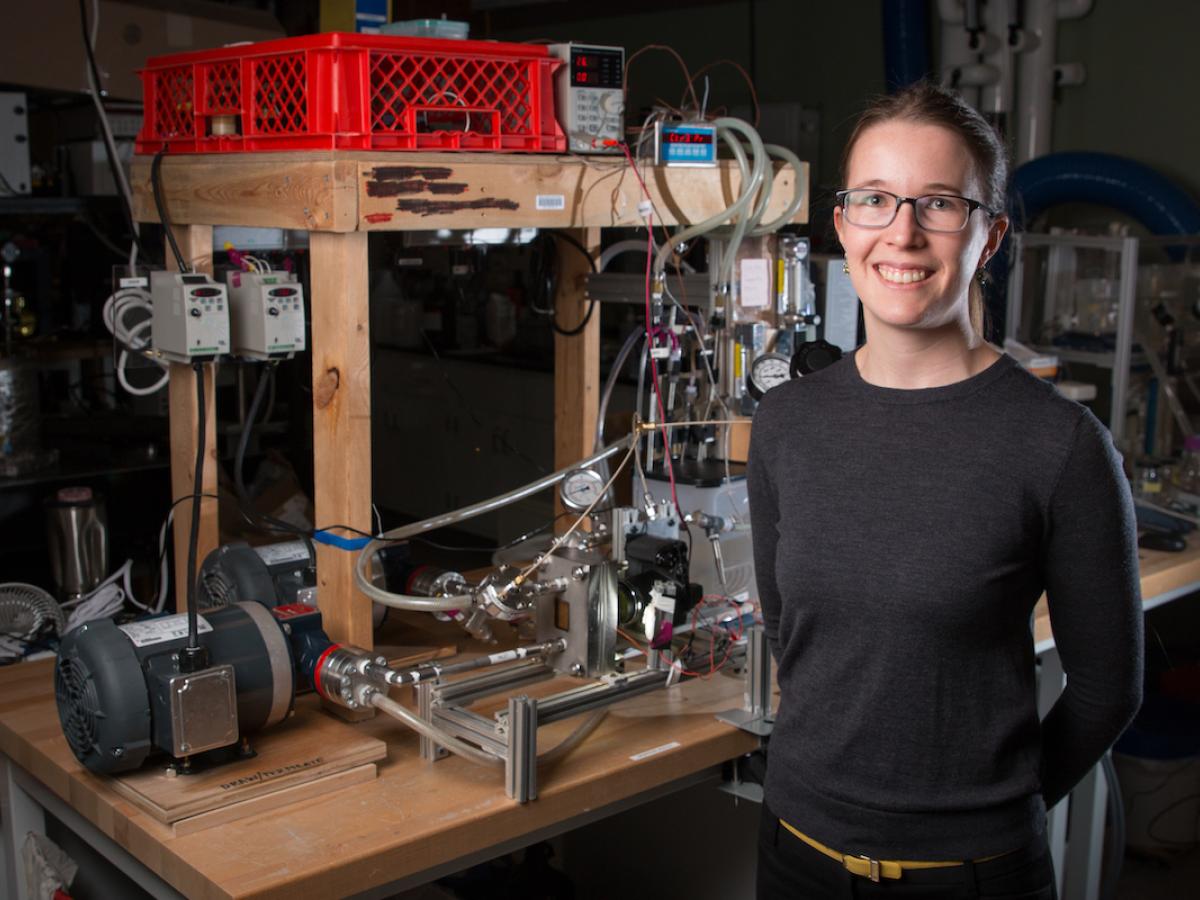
(185, 747)
(381, 660)
(577, 669)
(579, 573)
(118, 751)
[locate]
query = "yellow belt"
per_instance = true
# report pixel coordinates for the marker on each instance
(875, 869)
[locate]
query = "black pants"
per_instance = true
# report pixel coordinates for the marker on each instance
(789, 869)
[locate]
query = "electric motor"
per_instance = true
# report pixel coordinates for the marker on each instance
(123, 695)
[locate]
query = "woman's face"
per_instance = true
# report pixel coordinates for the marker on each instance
(907, 277)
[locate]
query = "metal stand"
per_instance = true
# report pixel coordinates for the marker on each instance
(511, 736)
(756, 716)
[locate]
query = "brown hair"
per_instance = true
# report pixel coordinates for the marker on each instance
(930, 104)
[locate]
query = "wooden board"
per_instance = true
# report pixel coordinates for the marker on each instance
(341, 389)
(576, 357)
(348, 191)
(308, 191)
(301, 753)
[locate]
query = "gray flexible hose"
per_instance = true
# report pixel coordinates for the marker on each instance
(606, 394)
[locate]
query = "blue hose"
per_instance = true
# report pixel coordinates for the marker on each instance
(1123, 184)
(905, 42)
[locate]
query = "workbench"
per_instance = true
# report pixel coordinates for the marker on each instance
(417, 820)
(339, 198)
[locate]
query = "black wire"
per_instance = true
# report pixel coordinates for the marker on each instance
(194, 535)
(112, 162)
(587, 316)
(156, 186)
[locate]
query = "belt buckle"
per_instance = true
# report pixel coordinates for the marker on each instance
(874, 864)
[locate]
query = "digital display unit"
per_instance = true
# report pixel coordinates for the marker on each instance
(596, 68)
(685, 144)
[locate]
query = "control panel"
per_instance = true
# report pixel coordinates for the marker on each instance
(677, 144)
(588, 96)
(266, 314)
(190, 317)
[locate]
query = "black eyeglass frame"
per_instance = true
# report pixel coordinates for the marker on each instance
(972, 205)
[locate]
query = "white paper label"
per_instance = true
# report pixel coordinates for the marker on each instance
(282, 554)
(159, 631)
(550, 201)
(662, 602)
(756, 283)
(654, 751)
(132, 282)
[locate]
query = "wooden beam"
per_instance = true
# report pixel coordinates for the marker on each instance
(420, 191)
(347, 191)
(195, 243)
(576, 358)
(308, 191)
(341, 389)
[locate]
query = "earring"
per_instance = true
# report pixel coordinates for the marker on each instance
(845, 267)
(981, 276)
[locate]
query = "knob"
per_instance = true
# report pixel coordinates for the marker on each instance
(613, 103)
(272, 310)
(194, 312)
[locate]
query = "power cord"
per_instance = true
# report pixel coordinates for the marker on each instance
(161, 206)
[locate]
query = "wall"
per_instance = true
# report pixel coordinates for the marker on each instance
(1140, 96)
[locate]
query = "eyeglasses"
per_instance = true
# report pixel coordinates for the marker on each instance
(870, 208)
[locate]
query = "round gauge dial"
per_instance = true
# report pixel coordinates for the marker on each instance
(581, 488)
(766, 372)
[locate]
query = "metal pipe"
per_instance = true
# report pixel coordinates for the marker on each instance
(458, 601)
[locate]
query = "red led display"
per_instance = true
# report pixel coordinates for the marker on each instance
(688, 137)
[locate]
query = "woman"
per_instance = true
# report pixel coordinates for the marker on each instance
(909, 505)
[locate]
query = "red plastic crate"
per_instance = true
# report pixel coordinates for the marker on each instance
(352, 92)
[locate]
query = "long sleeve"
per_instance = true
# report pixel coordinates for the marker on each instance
(764, 525)
(1092, 586)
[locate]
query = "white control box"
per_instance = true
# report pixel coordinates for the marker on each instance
(191, 316)
(588, 96)
(266, 314)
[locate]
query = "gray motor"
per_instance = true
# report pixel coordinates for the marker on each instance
(272, 575)
(122, 694)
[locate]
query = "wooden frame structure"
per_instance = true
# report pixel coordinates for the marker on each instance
(339, 197)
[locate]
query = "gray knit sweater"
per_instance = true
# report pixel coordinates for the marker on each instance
(901, 540)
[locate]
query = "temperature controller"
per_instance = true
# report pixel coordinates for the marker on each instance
(191, 317)
(685, 145)
(588, 96)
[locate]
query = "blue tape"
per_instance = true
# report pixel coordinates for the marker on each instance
(342, 543)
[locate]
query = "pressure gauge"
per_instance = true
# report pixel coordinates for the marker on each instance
(766, 372)
(581, 488)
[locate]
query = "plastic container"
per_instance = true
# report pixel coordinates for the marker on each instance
(434, 28)
(1187, 474)
(340, 91)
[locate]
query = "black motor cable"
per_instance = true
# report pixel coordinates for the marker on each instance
(195, 657)
(587, 316)
(160, 205)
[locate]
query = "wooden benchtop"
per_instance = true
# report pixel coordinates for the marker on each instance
(1161, 573)
(413, 817)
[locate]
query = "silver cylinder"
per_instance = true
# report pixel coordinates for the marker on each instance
(77, 531)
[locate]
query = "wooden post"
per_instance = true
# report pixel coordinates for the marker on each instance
(341, 389)
(195, 243)
(576, 358)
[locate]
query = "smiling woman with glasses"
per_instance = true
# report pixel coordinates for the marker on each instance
(909, 505)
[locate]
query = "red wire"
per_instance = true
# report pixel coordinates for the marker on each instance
(662, 415)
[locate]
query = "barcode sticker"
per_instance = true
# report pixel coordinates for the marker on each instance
(550, 201)
(133, 282)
